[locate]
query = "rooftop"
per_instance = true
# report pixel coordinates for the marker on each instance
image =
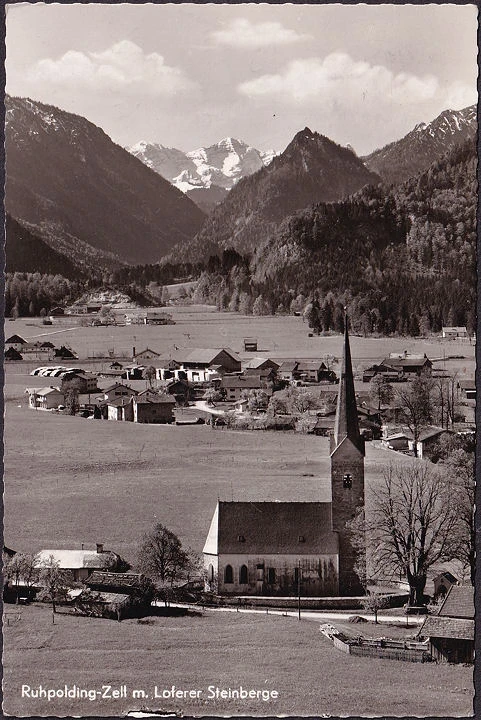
(272, 528)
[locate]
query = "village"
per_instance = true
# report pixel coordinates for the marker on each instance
(218, 394)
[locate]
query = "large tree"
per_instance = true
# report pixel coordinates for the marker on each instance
(411, 525)
(417, 405)
(461, 467)
(162, 557)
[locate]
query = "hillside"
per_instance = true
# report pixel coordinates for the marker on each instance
(86, 196)
(402, 259)
(25, 252)
(425, 144)
(312, 169)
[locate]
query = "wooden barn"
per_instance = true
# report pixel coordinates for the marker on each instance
(451, 631)
(115, 595)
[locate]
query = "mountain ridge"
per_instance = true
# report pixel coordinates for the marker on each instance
(65, 175)
(401, 159)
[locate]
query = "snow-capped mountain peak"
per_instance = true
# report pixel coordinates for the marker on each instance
(222, 164)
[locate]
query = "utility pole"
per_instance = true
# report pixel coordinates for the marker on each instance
(299, 591)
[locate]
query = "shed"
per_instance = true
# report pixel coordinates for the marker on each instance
(451, 632)
(250, 344)
(115, 595)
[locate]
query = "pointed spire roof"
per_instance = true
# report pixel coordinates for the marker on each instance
(347, 423)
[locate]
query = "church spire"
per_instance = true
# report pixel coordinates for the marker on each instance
(347, 423)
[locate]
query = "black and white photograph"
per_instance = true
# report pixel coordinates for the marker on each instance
(239, 360)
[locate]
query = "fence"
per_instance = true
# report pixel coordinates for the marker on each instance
(389, 649)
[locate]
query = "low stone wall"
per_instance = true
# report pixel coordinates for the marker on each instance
(307, 603)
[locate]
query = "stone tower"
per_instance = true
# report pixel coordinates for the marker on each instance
(347, 472)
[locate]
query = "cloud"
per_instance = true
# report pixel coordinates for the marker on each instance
(339, 78)
(242, 33)
(124, 66)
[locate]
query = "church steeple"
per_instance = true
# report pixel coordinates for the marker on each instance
(347, 423)
(347, 473)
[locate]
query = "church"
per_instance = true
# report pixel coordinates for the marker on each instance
(286, 548)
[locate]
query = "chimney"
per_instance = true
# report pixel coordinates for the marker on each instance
(133, 353)
(100, 547)
(82, 546)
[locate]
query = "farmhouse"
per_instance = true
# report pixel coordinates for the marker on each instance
(454, 332)
(288, 370)
(451, 631)
(151, 407)
(155, 317)
(80, 563)
(279, 548)
(120, 409)
(427, 440)
(16, 342)
(118, 391)
(259, 363)
(146, 354)
(314, 371)
(235, 385)
(225, 358)
(406, 364)
(45, 398)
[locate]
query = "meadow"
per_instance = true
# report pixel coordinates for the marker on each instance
(70, 480)
(262, 652)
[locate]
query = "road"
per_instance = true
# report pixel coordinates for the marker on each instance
(316, 615)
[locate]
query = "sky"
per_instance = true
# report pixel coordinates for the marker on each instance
(189, 75)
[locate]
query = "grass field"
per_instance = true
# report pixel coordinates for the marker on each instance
(202, 326)
(255, 651)
(70, 481)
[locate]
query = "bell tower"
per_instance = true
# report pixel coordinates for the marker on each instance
(347, 472)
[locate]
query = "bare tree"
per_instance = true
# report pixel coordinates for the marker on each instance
(416, 403)
(380, 391)
(373, 602)
(21, 567)
(461, 466)
(54, 581)
(162, 557)
(411, 526)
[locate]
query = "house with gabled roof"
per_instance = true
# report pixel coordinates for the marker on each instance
(146, 354)
(285, 548)
(16, 342)
(80, 563)
(226, 358)
(152, 407)
(12, 355)
(451, 631)
(46, 398)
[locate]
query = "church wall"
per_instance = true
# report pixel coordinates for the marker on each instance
(278, 575)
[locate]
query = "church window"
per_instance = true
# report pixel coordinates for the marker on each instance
(243, 575)
(271, 575)
(347, 481)
(211, 573)
(228, 574)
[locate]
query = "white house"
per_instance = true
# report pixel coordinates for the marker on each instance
(45, 398)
